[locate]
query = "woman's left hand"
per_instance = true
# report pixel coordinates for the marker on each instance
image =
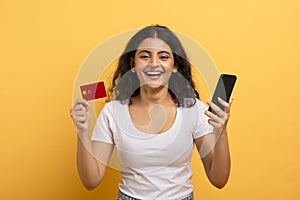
(220, 119)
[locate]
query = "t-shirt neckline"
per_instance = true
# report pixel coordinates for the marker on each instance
(170, 130)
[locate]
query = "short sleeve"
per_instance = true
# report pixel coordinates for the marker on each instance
(102, 131)
(202, 126)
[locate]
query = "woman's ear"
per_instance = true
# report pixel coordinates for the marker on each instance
(175, 68)
(132, 65)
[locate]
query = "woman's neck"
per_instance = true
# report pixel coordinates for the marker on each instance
(150, 96)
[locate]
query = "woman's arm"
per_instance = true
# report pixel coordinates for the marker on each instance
(213, 148)
(90, 169)
(215, 158)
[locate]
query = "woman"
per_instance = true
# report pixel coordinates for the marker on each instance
(154, 119)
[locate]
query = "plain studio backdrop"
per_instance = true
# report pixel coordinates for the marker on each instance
(43, 44)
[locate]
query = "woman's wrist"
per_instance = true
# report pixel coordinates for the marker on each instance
(224, 132)
(84, 136)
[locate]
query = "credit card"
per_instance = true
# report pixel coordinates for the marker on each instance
(93, 91)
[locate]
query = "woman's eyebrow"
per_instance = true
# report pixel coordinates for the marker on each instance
(144, 51)
(147, 51)
(164, 52)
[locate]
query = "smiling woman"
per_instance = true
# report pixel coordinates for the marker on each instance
(154, 118)
(154, 59)
(153, 63)
(157, 50)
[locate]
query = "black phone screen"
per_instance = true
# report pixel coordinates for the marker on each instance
(223, 90)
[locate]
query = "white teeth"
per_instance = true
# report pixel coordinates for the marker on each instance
(153, 73)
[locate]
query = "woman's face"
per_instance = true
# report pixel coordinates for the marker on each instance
(153, 62)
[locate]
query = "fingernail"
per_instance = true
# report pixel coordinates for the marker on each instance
(207, 101)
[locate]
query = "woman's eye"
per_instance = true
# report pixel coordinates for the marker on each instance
(164, 57)
(144, 56)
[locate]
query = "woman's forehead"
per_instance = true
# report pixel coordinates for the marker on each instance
(154, 44)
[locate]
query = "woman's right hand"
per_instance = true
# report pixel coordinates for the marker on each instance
(81, 115)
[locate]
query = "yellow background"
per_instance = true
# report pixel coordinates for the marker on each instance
(43, 44)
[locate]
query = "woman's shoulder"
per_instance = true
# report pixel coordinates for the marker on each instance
(113, 105)
(116, 102)
(200, 104)
(196, 104)
(198, 107)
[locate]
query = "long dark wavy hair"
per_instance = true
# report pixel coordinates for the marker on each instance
(125, 83)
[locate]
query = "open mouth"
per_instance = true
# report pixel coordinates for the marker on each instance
(154, 74)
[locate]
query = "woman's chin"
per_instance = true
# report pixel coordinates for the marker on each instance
(154, 85)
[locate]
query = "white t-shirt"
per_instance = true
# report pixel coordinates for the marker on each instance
(153, 166)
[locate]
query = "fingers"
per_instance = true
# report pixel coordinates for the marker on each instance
(78, 113)
(80, 108)
(227, 109)
(219, 120)
(81, 101)
(218, 126)
(80, 119)
(80, 104)
(214, 120)
(219, 111)
(81, 115)
(225, 104)
(215, 108)
(222, 102)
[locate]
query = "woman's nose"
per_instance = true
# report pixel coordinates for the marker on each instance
(154, 61)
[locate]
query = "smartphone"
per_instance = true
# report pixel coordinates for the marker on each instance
(93, 91)
(223, 90)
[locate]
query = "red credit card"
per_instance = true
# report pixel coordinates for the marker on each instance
(93, 91)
